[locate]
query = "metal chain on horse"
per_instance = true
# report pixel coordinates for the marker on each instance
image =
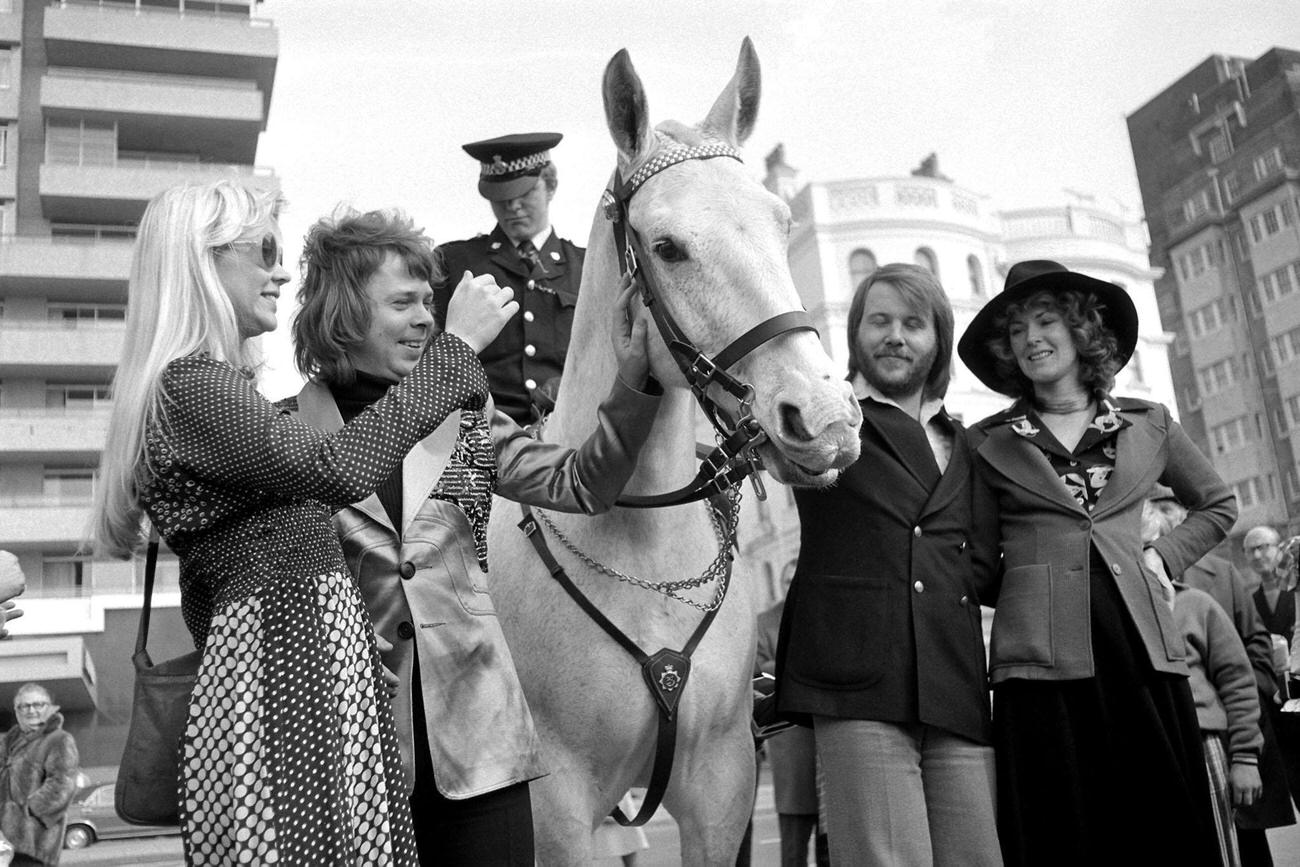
(718, 569)
(735, 457)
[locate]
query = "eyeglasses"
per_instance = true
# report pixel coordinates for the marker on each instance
(32, 705)
(272, 255)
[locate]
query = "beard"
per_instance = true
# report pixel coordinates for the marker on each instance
(898, 384)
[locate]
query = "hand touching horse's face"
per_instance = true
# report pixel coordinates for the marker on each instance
(715, 244)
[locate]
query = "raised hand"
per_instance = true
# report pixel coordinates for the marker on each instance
(479, 309)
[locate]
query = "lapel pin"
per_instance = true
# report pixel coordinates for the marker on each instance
(496, 245)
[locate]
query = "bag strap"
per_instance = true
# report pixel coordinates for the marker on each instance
(150, 567)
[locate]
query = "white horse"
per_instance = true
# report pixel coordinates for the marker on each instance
(715, 246)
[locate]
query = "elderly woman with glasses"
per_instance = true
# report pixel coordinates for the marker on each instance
(38, 776)
(289, 755)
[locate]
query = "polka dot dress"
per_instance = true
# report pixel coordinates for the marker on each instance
(290, 755)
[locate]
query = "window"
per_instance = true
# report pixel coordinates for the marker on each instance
(1248, 492)
(1197, 206)
(67, 486)
(976, 271)
(1267, 163)
(77, 395)
(64, 576)
(4, 145)
(81, 142)
(925, 257)
(1267, 223)
(862, 264)
(83, 315)
(1218, 376)
(1231, 436)
(1212, 316)
(1219, 147)
(6, 69)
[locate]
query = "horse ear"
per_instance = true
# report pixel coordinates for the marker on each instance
(734, 114)
(625, 108)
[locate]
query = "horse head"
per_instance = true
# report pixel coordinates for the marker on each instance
(713, 241)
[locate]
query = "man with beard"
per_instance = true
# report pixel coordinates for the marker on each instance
(881, 647)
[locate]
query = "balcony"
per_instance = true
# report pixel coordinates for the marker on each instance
(62, 665)
(34, 521)
(220, 118)
(117, 191)
(42, 349)
(53, 435)
(211, 39)
(75, 269)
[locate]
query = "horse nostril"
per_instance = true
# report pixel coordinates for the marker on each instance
(792, 423)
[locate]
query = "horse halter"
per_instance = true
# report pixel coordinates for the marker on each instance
(735, 456)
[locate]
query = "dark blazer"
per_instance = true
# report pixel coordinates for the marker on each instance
(882, 621)
(1042, 626)
(530, 350)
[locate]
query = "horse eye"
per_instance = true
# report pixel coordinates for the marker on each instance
(668, 251)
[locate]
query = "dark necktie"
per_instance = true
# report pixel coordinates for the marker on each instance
(528, 253)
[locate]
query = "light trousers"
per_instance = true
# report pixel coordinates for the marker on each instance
(905, 795)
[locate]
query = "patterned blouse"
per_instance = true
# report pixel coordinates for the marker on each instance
(1085, 470)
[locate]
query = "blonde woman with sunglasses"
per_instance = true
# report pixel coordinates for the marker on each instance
(289, 755)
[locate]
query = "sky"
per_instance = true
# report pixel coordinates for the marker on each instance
(1024, 102)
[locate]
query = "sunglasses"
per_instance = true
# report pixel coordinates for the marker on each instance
(272, 255)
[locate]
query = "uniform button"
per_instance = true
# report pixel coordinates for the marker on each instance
(406, 570)
(916, 531)
(532, 284)
(530, 383)
(530, 350)
(1114, 567)
(528, 316)
(918, 587)
(405, 630)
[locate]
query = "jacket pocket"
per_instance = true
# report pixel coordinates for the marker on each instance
(838, 636)
(1022, 621)
(467, 581)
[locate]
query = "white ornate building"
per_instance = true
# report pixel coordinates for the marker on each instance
(845, 228)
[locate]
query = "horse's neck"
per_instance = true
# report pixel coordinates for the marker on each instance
(667, 460)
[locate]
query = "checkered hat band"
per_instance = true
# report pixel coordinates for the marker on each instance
(499, 167)
(673, 156)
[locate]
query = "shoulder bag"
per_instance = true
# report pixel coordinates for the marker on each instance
(148, 782)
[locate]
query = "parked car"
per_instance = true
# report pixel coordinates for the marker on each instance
(91, 817)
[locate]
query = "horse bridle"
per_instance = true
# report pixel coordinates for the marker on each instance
(735, 456)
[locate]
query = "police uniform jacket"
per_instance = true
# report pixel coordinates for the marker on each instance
(423, 584)
(1042, 628)
(882, 621)
(530, 349)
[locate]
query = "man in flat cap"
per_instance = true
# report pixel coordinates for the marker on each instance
(523, 252)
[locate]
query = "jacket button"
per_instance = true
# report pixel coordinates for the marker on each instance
(406, 570)
(962, 601)
(405, 630)
(532, 284)
(528, 316)
(530, 350)
(1114, 567)
(962, 545)
(916, 531)
(918, 587)
(530, 384)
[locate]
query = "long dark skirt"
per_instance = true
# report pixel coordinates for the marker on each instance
(1107, 770)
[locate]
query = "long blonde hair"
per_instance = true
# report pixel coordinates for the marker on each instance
(176, 307)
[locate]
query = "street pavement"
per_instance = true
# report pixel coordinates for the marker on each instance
(661, 832)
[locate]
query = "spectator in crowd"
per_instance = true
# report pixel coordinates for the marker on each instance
(793, 758)
(881, 645)
(1219, 578)
(38, 777)
(418, 548)
(290, 755)
(524, 253)
(1095, 729)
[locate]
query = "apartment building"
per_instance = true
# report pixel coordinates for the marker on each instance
(102, 105)
(1218, 163)
(845, 228)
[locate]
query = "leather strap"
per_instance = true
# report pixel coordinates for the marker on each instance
(665, 673)
(142, 632)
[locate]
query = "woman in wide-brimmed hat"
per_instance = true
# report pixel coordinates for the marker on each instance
(1098, 747)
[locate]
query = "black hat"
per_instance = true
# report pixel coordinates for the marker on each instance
(511, 163)
(1026, 279)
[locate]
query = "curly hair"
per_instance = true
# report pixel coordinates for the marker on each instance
(340, 254)
(1097, 345)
